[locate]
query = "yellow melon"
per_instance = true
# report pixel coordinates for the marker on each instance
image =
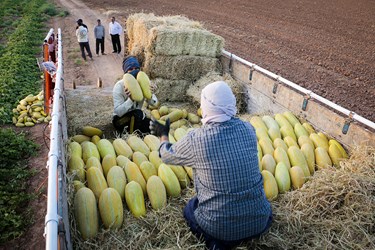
(297, 158)
(270, 185)
(111, 208)
(322, 158)
(282, 177)
(268, 163)
(116, 179)
(135, 199)
(156, 192)
(86, 213)
(170, 180)
(297, 177)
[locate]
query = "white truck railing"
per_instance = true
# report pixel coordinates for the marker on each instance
(57, 231)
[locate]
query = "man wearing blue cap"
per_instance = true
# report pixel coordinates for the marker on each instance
(128, 114)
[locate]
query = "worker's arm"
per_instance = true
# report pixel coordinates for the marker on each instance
(181, 153)
(96, 32)
(119, 28)
(121, 102)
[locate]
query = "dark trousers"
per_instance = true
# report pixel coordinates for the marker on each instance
(132, 121)
(211, 242)
(116, 43)
(84, 46)
(53, 56)
(101, 43)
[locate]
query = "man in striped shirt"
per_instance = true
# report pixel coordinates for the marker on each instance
(230, 205)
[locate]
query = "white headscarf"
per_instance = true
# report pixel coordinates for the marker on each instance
(218, 103)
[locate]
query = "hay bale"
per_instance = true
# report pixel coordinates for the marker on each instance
(138, 26)
(171, 36)
(180, 67)
(171, 90)
(194, 91)
(172, 41)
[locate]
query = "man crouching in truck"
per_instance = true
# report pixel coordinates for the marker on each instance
(230, 205)
(128, 114)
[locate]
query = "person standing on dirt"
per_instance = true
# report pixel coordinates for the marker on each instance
(99, 32)
(80, 22)
(83, 40)
(128, 114)
(115, 31)
(230, 205)
(52, 48)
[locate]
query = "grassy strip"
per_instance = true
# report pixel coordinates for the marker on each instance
(13, 183)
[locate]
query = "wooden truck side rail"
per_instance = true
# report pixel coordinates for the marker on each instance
(268, 93)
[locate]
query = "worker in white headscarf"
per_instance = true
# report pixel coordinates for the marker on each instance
(230, 205)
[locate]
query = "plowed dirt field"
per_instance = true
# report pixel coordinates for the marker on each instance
(325, 46)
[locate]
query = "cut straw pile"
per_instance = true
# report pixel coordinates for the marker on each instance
(89, 106)
(334, 210)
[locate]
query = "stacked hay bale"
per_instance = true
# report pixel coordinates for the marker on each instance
(174, 51)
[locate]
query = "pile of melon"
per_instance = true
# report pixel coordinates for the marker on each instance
(179, 118)
(30, 111)
(289, 152)
(109, 174)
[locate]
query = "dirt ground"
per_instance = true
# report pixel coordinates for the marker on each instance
(327, 47)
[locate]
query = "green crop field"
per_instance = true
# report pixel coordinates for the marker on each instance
(22, 30)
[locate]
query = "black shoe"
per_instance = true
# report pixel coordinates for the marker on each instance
(114, 51)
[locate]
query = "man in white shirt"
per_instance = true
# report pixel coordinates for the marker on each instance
(115, 31)
(83, 39)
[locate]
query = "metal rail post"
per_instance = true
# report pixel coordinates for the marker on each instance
(56, 218)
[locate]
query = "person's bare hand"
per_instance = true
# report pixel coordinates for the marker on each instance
(127, 92)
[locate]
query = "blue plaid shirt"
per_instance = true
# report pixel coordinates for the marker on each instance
(229, 185)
